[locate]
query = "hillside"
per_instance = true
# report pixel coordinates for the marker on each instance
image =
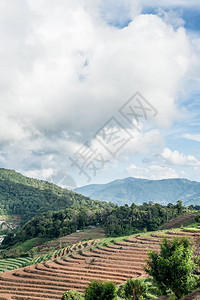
(75, 266)
(179, 221)
(123, 220)
(29, 197)
(134, 190)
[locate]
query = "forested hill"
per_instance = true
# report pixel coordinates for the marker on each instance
(123, 220)
(136, 190)
(29, 197)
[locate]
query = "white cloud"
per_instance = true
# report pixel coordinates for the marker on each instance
(179, 159)
(41, 174)
(153, 172)
(143, 143)
(119, 13)
(194, 137)
(172, 17)
(65, 71)
(75, 61)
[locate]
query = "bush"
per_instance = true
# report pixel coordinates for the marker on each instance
(139, 286)
(99, 290)
(72, 295)
(173, 267)
(197, 218)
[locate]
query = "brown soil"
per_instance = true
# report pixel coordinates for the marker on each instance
(75, 267)
(180, 220)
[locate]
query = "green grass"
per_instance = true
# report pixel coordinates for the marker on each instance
(27, 245)
(193, 227)
(112, 240)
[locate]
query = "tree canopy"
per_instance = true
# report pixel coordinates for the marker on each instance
(173, 267)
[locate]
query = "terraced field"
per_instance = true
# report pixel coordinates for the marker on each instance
(14, 263)
(74, 267)
(73, 238)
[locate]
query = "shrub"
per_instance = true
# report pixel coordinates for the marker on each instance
(99, 290)
(72, 295)
(173, 267)
(197, 218)
(138, 286)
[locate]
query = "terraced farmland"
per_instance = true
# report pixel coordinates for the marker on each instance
(14, 263)
(73, 238)
(74, 267)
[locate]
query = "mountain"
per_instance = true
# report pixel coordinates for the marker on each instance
(135, 190)
(29, 197)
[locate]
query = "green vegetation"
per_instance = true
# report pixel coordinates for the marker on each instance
(140, 288)
(125, 220)
(172, 268)
(197, 218)
(99, 290)
(72, 295)
(30, 197)
(117, 221)
(27, 245)
(96, 290)
(136, 190)
(14, 263)
(55, 224)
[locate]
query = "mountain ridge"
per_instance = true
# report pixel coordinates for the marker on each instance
(138, 190)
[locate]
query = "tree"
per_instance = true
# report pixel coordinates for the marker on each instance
(179, 207)
(99, 290)
(172, 268)
(197, 218)
(72, 295)
(134, 289)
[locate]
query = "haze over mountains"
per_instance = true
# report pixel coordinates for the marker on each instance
(135, 190)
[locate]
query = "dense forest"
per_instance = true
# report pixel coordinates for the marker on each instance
(147, 217)
(117, 221)
(30, 197)
(50, 211)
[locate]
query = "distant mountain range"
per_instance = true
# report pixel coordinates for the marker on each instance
(134, 190)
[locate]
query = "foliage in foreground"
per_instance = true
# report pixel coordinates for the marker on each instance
(142, 289)
(99, 290)
(173, 267)
(197, 218)
(72, 295)
(96, 290)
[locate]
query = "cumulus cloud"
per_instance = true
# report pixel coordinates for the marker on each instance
(173, 17)
(119, 13)
(179, 159)
(65, 69)
(153, 172)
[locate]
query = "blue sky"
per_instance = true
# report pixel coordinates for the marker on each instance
(67, 70)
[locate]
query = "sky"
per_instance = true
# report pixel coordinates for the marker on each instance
(96, 90)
